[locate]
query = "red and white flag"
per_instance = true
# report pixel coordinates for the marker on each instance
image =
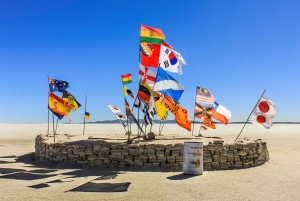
(148, 76)
(263, 113)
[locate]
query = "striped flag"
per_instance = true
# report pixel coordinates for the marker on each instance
(126, 79)
(150, 112)
(204, 95)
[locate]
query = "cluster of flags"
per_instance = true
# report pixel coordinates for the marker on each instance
(206, 108)
(61, 107)
(159, 93)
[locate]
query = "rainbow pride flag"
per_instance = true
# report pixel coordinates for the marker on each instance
(126, 79)
(151, 35)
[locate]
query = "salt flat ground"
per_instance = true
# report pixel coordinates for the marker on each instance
(24, 179)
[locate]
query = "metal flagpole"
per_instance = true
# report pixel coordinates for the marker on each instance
(162, 127)
(250, 114)
(56, 125)
(48, 109)
(194, 112)
(84, 115)
(53, 125)
(159, 126)
(200, 127)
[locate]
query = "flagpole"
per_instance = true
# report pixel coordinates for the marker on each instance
(53, 125)
(250, 114)
(48, 109)
(194, 112)
(200, 127)
(159, 126)
(84, 114)
(162, 127)
(56, 125)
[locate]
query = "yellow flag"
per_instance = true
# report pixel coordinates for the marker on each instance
(161, 109)
(59, 105)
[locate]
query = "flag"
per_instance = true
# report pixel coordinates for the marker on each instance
(145, 91)
(149, 54)
(57, 85)
(263, 113)
(127, 108)
(87, 115)
(222, 110)
(151, 111)
(59, 106)
(165, 116)
(138, 104)
(204, 95)
(208, 122)
(180, 113)
(67, 96)
(200, 111)
(118, 114)
(126, 79)
(127, 92)
(168, 85)
(151, 35)
(147, 76)
(203, 128)
(182, 118)
(161, 109)
(59, 116)
(130, 116)
(170, 60)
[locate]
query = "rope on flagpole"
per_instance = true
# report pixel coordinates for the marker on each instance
(48, 109)
(250, 115)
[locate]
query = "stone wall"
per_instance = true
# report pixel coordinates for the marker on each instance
(216, 154)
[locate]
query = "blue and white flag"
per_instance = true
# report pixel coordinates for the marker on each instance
(150, 112)
(57, 85)
(167, 85)
(222, 110)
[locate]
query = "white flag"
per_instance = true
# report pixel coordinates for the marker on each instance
(263, 113)
(148, 76)
(170, 60)
(222, 110)
(149, 117)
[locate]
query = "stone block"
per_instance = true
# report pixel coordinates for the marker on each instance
(134, 152)
(175, 152)
(211, 147)
(152, 159)
(215, 165)
(160, 152)
(144, 158)
(238, 164)
(218, 141)
(207, 166)
(113, 146)
(178, 158)
(216, 158)
(224, 164)
(223, 159)
(138, 164)
(133, 146)
(155, 164)
(237, 158)
(161, 159)
(125, 146)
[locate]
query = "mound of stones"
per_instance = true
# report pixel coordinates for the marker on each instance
(216, 155)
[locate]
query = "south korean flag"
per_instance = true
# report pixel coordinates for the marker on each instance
(170, 60)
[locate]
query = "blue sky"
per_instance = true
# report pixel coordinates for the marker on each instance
(237, 49)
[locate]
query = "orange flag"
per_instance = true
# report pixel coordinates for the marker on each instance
(208, 122)
(180, 113)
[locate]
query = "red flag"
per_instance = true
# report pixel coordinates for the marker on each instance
(149, 54)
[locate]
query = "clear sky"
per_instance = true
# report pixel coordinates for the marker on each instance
(237, 49)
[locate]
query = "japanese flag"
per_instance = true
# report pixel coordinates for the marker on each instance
(263, 113)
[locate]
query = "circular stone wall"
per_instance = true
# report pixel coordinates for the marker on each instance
(216, 154)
